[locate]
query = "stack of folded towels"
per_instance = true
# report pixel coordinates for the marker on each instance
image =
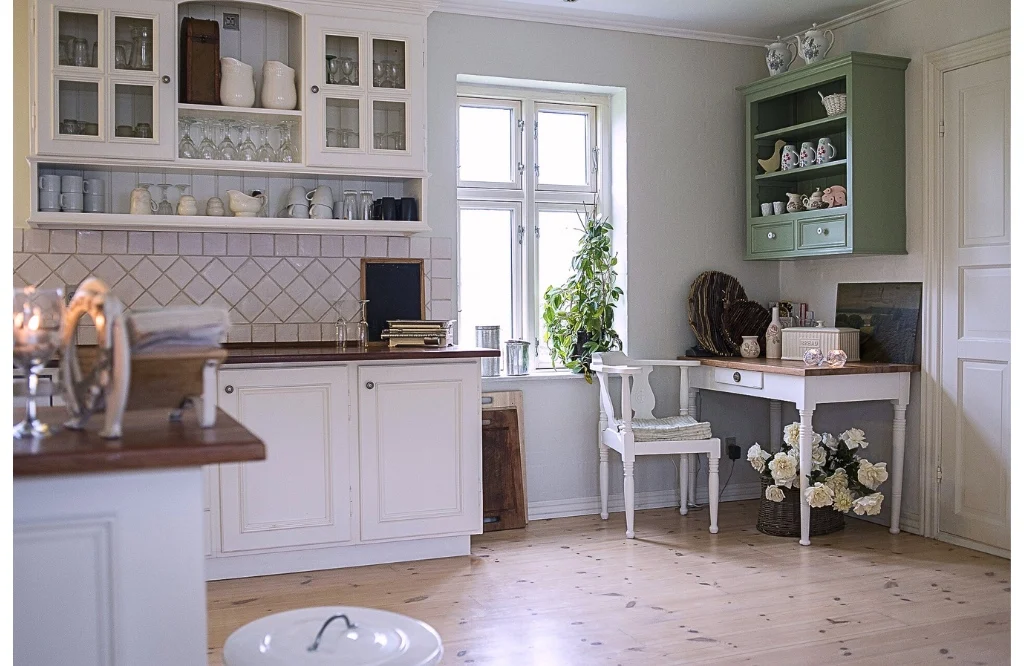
(669, 429)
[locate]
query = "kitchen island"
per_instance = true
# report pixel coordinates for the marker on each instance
(373, 456)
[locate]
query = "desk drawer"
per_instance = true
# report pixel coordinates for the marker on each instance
(747, 378)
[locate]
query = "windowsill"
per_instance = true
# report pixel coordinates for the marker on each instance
(535, 375)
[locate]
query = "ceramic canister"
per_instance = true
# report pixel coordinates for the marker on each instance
(237, 87)
(278, 86)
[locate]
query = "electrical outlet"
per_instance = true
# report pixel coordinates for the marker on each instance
(230, 22)
(732, 449)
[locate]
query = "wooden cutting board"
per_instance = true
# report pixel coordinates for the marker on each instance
(504, 495)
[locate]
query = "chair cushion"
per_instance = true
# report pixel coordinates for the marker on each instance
(669, 429)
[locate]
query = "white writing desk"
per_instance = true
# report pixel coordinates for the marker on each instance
(792, 381)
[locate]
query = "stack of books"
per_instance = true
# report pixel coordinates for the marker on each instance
(419, 333)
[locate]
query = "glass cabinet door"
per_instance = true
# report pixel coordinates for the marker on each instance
(132, 47)
(342, 61)
(390, 129)
(389, 63)
(77, 109)
(78, 39)
(134, 112)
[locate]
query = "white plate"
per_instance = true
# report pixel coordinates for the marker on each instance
(379, 638)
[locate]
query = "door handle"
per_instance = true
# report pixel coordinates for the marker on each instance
(736, 377)
(229, 389)
(315, 89)
(369, 385)
(165, 78)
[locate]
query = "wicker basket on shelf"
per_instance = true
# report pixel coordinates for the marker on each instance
(835, 104)
(783, 518)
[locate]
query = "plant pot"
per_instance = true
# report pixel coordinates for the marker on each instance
(783, 518)
(582, 338)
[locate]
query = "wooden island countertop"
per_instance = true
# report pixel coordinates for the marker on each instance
(798, 368)
(319, 352)
(149, 441)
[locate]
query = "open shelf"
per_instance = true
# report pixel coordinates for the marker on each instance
(804, 173)
(278, 225)
(809, 128)
(241, 112)
(801, 216)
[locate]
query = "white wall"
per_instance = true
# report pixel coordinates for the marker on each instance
(685, 205)
(911, 31)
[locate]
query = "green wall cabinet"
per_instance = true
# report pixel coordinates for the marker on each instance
(870, 159)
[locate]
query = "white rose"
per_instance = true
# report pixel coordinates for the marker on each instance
(783, 467)
(792, 434)
(842, 500)
(819, 457)
(870, 475)
(854, 438)
(870, 505)
(819, 495)
(831, 442)
(838, 481)
(774, 494)
(756, 457)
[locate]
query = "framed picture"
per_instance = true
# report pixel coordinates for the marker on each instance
(888, 315)
(394, 289)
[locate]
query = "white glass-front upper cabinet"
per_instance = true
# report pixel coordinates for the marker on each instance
(364, 94)
(104, 79)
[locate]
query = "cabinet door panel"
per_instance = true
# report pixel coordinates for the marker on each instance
(300, 494)
(419, 439)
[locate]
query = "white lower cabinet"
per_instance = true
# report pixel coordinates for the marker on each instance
(419, 450)
(300, 495)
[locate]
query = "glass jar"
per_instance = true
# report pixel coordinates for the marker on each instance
(365, 205)
(142, 49)
(350, 210)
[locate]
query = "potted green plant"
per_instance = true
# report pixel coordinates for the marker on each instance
(578, 315)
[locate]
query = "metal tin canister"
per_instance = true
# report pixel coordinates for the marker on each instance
(489, 337)
(517, 357)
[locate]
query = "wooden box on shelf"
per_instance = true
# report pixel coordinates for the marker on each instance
(868, 160)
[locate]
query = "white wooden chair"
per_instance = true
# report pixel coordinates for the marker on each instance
(638, 433)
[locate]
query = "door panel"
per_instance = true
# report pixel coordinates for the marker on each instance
(419, 444)
(300, 493)
(974, 491)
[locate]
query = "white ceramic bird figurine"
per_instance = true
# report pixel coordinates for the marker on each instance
(771, 164)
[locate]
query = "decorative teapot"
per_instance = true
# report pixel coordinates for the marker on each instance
(779, 57)
(278, 86)
(814, 202)
(811, 46)
(237, 87)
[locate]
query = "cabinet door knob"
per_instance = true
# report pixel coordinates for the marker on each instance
(165, 78)
(736, 377)
(369, 385)
(771, 235)
(822, 231)
(315, 89)
(229, 389)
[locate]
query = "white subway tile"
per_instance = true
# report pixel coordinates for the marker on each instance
(263, 333)
(215, 244)
(19, 235)
(355, 246)
(115, 242)
(398, 247)
(441, 288)
(419, 247)
(376, 246)
(61, 240)
(238, 245)
(328, 332)
(286, 245)
(309, 332)
(441, 309)
(240, 333)
(190, 243)
(261, 245)
(89, 242)
(332, 246)
(37, 240)
(164, 242)
(309, 245)
(441, 248)
(286, 333)
(440, 268)
(140, 242)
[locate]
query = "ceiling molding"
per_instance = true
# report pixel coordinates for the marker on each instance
(859, 15)
(589, 19)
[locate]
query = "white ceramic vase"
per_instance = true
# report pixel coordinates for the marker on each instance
(750, 348)
(773, 336)
(237, 87)
(278, 86)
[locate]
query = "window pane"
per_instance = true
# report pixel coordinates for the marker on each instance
(560, 233)
(485, 272)
(562, 148)
(485, 144)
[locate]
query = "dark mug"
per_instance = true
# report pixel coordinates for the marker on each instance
(375, 211)
(388, 208)
(408, 209)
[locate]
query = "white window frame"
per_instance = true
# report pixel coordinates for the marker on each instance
(593, 151)
(531, 196)
(517, 166)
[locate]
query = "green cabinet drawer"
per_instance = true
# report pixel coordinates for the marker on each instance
(771, 237)
(823, 232)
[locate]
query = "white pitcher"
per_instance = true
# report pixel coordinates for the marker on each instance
(779, 57)
(142, 202)
(811, 46)
(278, 86)
(237, 86)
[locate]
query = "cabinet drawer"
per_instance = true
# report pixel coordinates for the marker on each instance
(747, 378)
(823, 232)
(769, 237)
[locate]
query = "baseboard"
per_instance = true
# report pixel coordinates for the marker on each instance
(656, 499)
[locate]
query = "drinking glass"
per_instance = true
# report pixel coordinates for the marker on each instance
(207, 148)
(362, 326)
(349, 71)
(365, 205)
(394, 74)
(350, 209)
(332, 69)
(246, 149)
(164, 207)
(287, 152)
(66, 48)
(38, 323)
(379, 72)
(226, 147)
(347, 136)
(379, 140)
(80, 53)
(122, 54)
(186, 149)
(396, 140)
(265, 152)
(142, 48)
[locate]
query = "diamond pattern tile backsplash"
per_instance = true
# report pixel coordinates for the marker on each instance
(277, 287)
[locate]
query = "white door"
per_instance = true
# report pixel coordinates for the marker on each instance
(299, 495)
(419, 450)
(975, 338)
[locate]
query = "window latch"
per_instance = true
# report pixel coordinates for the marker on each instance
(520, 167)
(536, 170)
(597, 160)
(519, 232)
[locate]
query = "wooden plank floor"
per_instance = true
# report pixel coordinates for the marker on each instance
(575, 591)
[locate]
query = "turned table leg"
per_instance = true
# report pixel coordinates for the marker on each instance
(775, 425)
(806, 435)
(899, 437)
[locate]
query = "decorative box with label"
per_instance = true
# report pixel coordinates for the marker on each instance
(798, 339)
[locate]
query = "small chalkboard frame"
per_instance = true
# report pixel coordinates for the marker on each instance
(377, 326)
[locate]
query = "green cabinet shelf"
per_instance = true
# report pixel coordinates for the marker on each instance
(870, 160)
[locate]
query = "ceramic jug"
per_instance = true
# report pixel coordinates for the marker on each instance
(243, 205)
(807, 154)
(814, 202)
(278, 86)
(142, 202)
(826, 151)
(794, 205)
(811, 46)
(790, 158)
(237, 87)
(779, 57)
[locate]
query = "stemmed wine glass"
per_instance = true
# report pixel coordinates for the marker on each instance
(186, 149)
(349, 70)
(225, 147)
(394, 74)
(207, 148)
(38, 323)
(164, 207)
(265, 153)
(246, 149)
(287, 152)
(379, 74)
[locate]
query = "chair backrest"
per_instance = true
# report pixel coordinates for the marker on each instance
(640, 395)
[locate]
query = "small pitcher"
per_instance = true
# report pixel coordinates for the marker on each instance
(811, 45)
(278, 86)
(237, 86)
(807, 154)
(790, 158)
(142, 202)
(779, 57)
(826, 151)
(794, 205)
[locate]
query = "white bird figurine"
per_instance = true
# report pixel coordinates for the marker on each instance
(771, 164)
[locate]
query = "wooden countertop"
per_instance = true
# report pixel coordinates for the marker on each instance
(149, 441)
(798, 368)
(323, 353)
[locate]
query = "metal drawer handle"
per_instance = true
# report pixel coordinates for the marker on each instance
(735, 376)
(822, 231)
(771, 235)
(369, 385)
(229, 389)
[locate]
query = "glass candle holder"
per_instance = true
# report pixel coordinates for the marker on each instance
(38, 323)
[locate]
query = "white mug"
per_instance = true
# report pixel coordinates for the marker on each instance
(339, 209)
(779, 207)
(71, 184)
(766, 209)
(321, 195)
(826, 151)
(95, 203)
(320, 211)
(49, 183)
(71, 202)
(298, 211)
(49, 201)
(296, 195)
(92, 186)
